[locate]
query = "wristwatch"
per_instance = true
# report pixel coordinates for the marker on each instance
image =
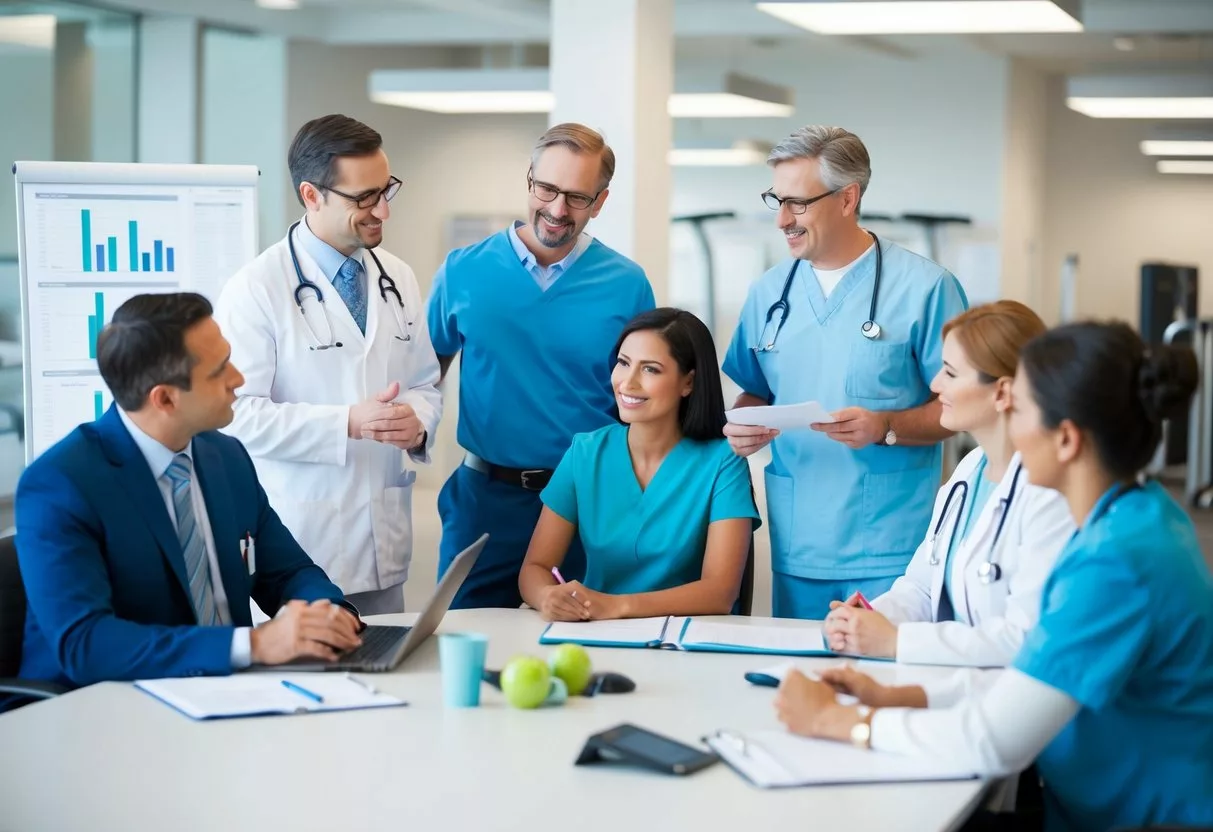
(890, 435)
(861, 732)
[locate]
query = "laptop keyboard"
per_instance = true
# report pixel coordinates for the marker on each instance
(378, 641)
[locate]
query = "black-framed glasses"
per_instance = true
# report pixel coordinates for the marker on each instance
(796, 205)
(371, 198)
(548, 193)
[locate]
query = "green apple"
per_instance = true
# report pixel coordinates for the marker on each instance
(571, 663)
(525, 681)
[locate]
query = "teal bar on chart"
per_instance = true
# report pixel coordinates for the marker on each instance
(97, 404)
(86, 236)
(133, 228)
(147, 262)
(113, 254)
(159, 255)
(95, 322)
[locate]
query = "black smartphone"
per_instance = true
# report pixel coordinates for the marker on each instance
(631, 743)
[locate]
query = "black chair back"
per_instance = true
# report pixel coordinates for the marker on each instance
(745, 600)
(12, 608)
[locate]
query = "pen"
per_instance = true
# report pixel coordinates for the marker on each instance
(556, 574)
(302, 691)
(863, 602)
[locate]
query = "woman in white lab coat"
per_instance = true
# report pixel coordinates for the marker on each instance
(972, 589)
(315, 412)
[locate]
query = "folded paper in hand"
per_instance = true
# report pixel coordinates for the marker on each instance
(780, 416)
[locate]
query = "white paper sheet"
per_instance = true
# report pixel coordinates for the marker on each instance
(771, 639)
(780, 416)
(208, 697)
(624, 631)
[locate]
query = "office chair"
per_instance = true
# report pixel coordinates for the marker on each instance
(12, 632)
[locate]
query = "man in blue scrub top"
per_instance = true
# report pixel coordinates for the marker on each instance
(847, 501)
(536, 310)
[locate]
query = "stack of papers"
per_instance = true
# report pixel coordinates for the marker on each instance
(263, 694)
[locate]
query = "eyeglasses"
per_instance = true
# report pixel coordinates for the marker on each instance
(795, 204)
(371, 198)
(548, 193)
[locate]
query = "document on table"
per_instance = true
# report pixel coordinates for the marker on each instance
(264, 694)
(777, 759)
(780, 416)
(624, 632)
(740, 638)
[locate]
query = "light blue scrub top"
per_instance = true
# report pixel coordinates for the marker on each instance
(972, 510)
(535, 364)
(1126, 628)
(835, 513)
(645, 541)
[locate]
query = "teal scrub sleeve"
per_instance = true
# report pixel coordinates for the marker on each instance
(1094, 627)
(741, 362)
(946, 301)
(733, 493)
(444, 329)
(560, 495)
(645, 302)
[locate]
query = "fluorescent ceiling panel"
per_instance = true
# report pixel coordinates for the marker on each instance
(741, 154)
(278, 4)
(527, 91)
(1186, 108)
(36, 31)
(1191, 166)
(921, 17)
(1177, 147)
(1142, 96)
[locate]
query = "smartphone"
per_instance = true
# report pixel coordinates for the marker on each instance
(631, 743)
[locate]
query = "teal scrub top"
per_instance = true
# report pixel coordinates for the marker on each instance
(653, 539)
(838, 514)
(1126, 629)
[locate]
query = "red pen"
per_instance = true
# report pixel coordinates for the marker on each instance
(863, 602)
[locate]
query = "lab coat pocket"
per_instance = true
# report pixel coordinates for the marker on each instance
(394, 531)
(892, 505)
(317, 525)
(881, 372)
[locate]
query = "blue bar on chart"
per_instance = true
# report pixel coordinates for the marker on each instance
(95, 322)
(159, 255)
(86, 237)
(97, 404)
(100, 257)
(113, 254)
(147, 262)
(133, 232)
(168, 256)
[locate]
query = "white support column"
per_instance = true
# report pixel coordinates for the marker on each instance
(168, 89)
(612, 68)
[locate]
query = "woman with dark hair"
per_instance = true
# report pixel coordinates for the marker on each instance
(1112, 692)
(663, 507)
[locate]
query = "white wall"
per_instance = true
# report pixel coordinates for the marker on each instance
(1106, 202)
(1023, 184)
(30, 135)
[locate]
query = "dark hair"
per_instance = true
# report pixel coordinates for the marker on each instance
(701, 414)
(144, 345)
(1105, 380)
(319, 143)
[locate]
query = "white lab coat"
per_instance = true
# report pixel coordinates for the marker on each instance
(348, 502)
(991, 619)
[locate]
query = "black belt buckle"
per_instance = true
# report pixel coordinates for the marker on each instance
(539, 475)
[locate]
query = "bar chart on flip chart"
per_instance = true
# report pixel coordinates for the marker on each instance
(92, 236)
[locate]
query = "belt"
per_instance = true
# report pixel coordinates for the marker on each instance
(529, 479)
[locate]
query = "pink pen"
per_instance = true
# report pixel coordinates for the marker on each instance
(556, 574)
(863, 601)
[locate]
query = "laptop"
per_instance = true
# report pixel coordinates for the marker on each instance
(385, 647)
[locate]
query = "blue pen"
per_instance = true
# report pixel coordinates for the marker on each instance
(315, 697)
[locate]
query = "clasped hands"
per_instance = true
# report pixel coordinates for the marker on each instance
(850, 628)
(383, 420)
(572, 601)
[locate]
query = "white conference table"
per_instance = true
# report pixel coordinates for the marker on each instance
(110, 757)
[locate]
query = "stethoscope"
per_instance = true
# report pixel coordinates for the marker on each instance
(386, 286)
(869, 328)
(988, 572)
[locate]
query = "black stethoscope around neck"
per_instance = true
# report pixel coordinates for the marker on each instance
(386, 286)
(989, 571)
(869, 328)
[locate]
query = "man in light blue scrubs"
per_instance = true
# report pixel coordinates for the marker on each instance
(847, 501)
(536, 310)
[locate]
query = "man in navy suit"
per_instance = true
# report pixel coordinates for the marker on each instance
(130, 530)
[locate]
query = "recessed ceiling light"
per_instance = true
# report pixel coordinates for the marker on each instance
(897, 17)
(741, 154)
(278, 5)
(36, 31)
(1177, 147)
(1195, 108)
(1185, 166)
(1142, 96)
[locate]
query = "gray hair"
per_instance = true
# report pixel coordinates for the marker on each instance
(840, 153)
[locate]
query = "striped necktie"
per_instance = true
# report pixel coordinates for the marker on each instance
(193, 546)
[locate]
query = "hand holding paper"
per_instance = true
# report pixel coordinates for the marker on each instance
(781, 416)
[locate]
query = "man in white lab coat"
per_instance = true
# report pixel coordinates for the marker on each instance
(339, 370)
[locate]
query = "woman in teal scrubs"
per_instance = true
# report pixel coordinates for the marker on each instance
(1112, 691)
(661, 504)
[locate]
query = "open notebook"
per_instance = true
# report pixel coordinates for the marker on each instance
(777, 759)
(676, 633)
(264, 694)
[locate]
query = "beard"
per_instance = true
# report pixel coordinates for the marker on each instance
(567, 232)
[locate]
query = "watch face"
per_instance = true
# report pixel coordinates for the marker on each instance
(890, 438)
